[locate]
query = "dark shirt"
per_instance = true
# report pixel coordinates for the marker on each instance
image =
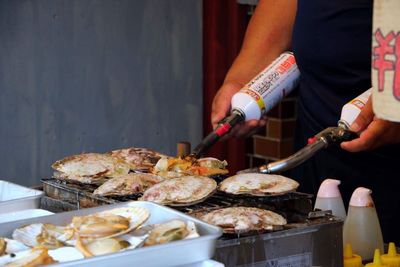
(332, 45)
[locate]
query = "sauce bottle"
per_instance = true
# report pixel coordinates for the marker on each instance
(350, 259)
(377, 260)
(329, 198)
(361, 228)
(391, 259)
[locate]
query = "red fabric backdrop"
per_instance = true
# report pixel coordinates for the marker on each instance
(224, 25)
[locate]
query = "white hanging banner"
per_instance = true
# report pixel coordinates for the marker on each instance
(386, 59)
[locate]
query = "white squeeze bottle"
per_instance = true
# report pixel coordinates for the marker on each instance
(361, 228)
(329, 198)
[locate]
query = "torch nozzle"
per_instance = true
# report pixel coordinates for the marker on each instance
(224, 127)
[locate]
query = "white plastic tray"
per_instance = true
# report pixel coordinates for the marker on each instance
(182, 252)
(23, 214)
(15, 197)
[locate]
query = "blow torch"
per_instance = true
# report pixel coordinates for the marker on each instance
(256, 98)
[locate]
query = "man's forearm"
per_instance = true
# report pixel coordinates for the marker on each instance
(269, 34)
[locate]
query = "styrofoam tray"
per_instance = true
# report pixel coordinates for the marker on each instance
(15, 197)
(176, 253)
(23, 214)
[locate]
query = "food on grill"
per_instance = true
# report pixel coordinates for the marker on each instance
(189, 166)
(91, 168)
(110, 223)
(243, 219)
(181, 191)
(35, 257)
(140, 158)
(128, 184)
(258, 184)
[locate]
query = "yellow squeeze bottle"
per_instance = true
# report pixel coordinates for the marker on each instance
(377, 260)
(350, 259)
(391, 259)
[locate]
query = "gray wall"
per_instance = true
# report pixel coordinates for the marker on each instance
(91, 76)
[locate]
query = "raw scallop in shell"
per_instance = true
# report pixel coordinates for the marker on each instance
(181, 191)
(39, 234)
(110, 223)
(167, 232)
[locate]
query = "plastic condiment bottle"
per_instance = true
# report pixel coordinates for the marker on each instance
(350, 259)
(361, 228)
(329, 198)
(391, 259)
(377, 260)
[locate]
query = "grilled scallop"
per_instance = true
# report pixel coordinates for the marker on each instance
(243, 219)
(258, 184)
(181, 191)
(91, 168)
(139, 158)
(177, 167)
(128, 184)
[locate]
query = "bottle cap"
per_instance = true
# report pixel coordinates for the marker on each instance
(350, 259)
(392, 259)
(361, 197)
(377, 260)
(329, 188)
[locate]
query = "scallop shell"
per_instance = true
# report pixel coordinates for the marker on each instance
(258, 184)
(243, 219)
(40, 234)
(181, 191)
(65, 254)
(128, 184)
(139, 158)
(27, 235)
(136, 216)
(171, 231)
(86, 168)
(14, 246)
(34, 257)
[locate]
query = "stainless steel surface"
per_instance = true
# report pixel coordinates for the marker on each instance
(314, 245)
(171, 254)
(15, 197)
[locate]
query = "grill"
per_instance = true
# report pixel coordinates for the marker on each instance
(309, 238)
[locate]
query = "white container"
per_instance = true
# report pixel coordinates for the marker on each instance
(329, 198)
(181, 252)
(265, 90)
(351, 110)
(23, 214)
(15, 197)
(361, 228)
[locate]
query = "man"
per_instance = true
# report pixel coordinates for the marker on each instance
(331, 41)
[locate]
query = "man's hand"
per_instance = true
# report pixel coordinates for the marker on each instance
(373, 132)
(221, 107)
